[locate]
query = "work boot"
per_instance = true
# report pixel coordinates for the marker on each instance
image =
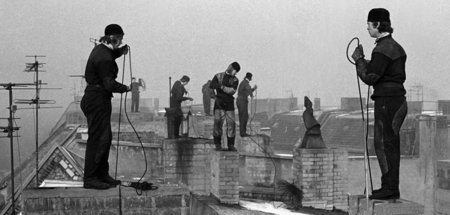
(231, 144)
(385, 194)
(218, 143)
(377, 190)
(94, 183)
(110, 180)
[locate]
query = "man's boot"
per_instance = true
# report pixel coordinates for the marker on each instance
(385, 194)
(231, 144)
(218, 143)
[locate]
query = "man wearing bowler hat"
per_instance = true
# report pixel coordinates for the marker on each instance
(386, 73)
(244, 91)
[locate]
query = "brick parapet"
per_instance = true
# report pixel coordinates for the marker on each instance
(187, 161)
(442, 192)
(225, 176)
(254, 145)
(321, 174)
(165, 200)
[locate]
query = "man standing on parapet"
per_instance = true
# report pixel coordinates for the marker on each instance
(225, 84)
(177, 96)
(135, 94)
(386, 73)
(244, 91)
(208, 95)
(101, 72)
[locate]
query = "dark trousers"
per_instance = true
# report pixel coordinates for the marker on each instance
(390, 113)
(219, 117)
(242, 106)
(97, 109)
(177, 124)
(134, 102)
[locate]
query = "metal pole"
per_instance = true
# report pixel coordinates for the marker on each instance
(37, 121)
(11, 139)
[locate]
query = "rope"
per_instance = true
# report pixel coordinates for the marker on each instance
(118, 137)
(266, 153)
(140, 186)
(365, 123)
(348, 46)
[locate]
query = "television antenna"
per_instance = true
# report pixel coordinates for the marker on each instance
(10, 129)
(36, 101)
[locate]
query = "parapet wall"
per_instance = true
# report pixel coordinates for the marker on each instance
(187, 161)
(442, 203)
(322, 175)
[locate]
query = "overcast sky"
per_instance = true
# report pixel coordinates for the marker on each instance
(288, 45)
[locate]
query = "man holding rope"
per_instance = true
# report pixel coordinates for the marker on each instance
(101, 72)
(386, 73)
(225, 84)
(244, 91)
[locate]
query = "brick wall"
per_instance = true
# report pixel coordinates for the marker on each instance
(130, 136)
(81, 201)
(225, 176)
(155, 128)
(263, 171)
(131, 163)
(442, 203)
(257, 171)
(321, 174)
(187, 161)
(201, 126)
(340, 178)
(254, 145)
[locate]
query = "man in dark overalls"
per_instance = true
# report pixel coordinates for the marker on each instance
(225, 84)
(244, 91)
(177, 96)
(101, 72)
(386, 73)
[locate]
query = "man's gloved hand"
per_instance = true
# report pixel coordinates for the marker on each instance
(255, 87)
(358, 53)
(228, 90)
(190, 99)
(124, 49)
(129, 88)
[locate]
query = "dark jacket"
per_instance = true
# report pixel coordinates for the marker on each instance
(386, 69)
(101, 71)
(177, 97)
(244, 90)
(225, 86)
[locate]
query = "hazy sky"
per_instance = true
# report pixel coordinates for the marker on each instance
(288, 45)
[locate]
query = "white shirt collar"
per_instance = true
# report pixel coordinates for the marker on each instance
(108, 45)
(384, 34)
